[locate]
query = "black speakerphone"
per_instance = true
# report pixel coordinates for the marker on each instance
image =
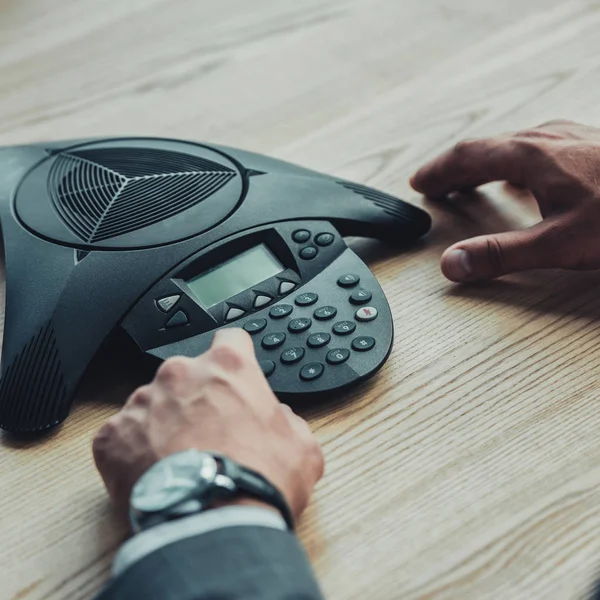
(171, 240)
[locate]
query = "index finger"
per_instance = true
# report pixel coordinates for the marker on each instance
(472, 163)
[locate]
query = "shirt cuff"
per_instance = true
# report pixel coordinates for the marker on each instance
(153, 539)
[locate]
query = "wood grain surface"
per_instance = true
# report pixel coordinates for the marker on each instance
(470, 467)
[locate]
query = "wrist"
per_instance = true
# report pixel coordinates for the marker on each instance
(193, 481)
(242, 501)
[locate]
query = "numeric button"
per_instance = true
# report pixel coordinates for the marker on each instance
(267, 367)
(255, 326)
(363, 343)
(311, 371)
(344, 327)
(325, 312)
(299, 325)
(360, 296)
(337, 356)
(318, 340)
(273, 340)
(280, 310)
(292, 355)
(348, 280)
(306, 299)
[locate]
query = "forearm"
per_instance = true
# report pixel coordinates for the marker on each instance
(235, 553)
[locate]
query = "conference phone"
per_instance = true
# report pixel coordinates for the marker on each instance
(171, 240)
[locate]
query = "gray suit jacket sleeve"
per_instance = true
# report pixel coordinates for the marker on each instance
(235, 563)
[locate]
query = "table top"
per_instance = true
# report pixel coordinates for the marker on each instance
(470, 466)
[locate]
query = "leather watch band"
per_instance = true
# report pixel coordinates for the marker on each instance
(253, 484)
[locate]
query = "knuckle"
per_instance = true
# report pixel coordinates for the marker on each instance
(496, 256)
(464, 148)
(141, 398)
(528, 146)
(173, 370)
(229, 357)
(106, 434)
(557, 123)
(319, 459)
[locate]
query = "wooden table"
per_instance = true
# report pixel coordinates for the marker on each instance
(470, 467)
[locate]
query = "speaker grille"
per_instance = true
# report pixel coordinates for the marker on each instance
(392, 206)
(101, 193)
(33, 394)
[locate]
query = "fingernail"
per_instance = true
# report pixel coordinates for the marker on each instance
(457, 265)
(414, 181)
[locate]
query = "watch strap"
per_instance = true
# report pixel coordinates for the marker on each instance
(251, 483)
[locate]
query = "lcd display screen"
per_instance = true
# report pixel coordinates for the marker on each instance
(235, 275)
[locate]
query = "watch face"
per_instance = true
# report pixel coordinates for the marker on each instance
(172, 480)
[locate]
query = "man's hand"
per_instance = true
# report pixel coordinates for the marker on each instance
(219, 401)
(559, 162)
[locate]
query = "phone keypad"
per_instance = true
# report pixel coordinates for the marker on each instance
(305, 350)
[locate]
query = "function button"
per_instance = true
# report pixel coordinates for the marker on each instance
(309, 252)
(234, 313)
(306, 299)
(292, 355)
(255, 325)
(360, 296)
(286, 286)
(280, 310)
(363, 343)
(325, 312)
(261, 300)
(311, 371)
(267, 367)
(299, 325)
(177, 320)
(301, 235)
(318, 340)
(344, 327)
(337, 356)
(348, 280)
(366, 313)
(324, 239)
(168, 302)
(273, 340)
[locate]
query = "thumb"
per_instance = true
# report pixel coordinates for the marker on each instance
(489, 256)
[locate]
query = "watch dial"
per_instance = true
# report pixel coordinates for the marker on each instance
(172, 480)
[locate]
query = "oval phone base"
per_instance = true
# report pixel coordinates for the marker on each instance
(171, 240)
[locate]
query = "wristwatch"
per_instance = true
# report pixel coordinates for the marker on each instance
(192, 481)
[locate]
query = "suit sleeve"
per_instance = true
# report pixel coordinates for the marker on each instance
(234, 563)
